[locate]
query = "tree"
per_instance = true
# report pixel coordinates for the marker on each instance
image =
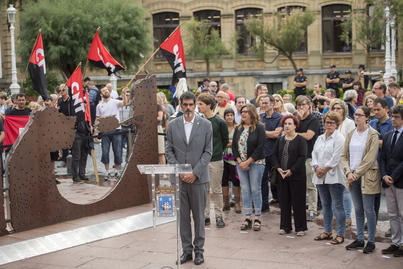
(285, 33)
(69, 26)
(369, 28)
(204, 42)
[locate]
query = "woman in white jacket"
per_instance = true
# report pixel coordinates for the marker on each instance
(329, 178)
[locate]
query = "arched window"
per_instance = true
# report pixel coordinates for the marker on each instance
(246, 40)
(332, 17)
(212, 16)
(287, 10)
(163, 25)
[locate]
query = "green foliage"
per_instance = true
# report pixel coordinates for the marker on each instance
(285, 33)
(369, 31)
(69, 26)
(52, 82)
(204, 42)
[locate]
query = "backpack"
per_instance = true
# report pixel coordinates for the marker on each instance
(98, 97)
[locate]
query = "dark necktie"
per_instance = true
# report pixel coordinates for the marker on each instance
(394, 139)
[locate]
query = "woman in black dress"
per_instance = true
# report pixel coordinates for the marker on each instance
(288, 159)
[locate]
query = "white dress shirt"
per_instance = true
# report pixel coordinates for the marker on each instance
(326, 153)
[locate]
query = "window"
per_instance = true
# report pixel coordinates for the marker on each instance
(212, 16)
(245, 41)
(163, 24)
(332, 17)
(283, 11)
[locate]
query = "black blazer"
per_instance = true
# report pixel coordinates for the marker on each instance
(297, 151)
(255, 144)
(391, 162)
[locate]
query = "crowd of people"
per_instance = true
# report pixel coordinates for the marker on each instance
(103, 102)
(330, 151)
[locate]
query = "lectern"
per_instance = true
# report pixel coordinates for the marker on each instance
(165, 198)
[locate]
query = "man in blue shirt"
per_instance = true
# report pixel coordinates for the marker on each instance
(379, 89)
(271, 120)
(382, 124)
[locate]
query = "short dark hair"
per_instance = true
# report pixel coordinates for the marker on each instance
(208, 99)
(229, 111)
(268, 96)
(239, 97)
(393, 85)
(392, 77)
(286, 117)
(21, 95)
(381, 101)
(357, 83)
(366, 110)
(188, 95)
(397, 109)
(382, 86)
(320, 85)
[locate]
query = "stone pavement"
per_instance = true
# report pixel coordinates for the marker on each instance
(225, 248)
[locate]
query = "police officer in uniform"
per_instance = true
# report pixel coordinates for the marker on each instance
(300, 82)
(333, 79)
(348, 81)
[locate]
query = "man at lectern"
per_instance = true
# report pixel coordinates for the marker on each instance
(189, 141)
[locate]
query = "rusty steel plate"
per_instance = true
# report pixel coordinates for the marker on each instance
(34, 197)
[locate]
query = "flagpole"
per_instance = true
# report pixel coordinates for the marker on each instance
(152, 55)
(86, 63)
(26, 69)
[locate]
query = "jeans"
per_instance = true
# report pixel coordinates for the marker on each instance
(332, 194)
(347, 204)
(116, 141)
(251, 181)
(363, 203)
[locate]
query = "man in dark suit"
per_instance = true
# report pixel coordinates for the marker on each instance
(391, 165)
(189, 141)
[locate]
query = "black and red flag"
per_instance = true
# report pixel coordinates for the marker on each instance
(172, 48)
(77, 101)
(99, 56)
(37, 67)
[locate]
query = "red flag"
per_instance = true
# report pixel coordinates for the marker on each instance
(37, 67)
(75, 83)
(13, 124)
(99, 56)
(172, 48)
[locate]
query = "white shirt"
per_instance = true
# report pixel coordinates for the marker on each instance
(188, 127)
(114, 94)
(347, 126)
(357, 148)
(109, 108)
(326, 153)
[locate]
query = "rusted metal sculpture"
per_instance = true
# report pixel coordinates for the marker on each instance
(35, 200)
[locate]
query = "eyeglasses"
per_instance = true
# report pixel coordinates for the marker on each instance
(188, 104)
(396, 117)
(337, 108)
(330, 122)
(359, 115)
(244, 111)
(376, 88)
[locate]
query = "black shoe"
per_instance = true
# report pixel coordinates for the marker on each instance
(265, 208)
(398, 253)
(207, 221)
(390, 250)
(185, 257)
(199, 259)
(220, 223)
(356, 244)
(369, 248)
(388, 233)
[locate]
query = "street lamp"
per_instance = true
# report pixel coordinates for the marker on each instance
(11, 13)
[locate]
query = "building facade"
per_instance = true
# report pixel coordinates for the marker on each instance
(242, 71)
